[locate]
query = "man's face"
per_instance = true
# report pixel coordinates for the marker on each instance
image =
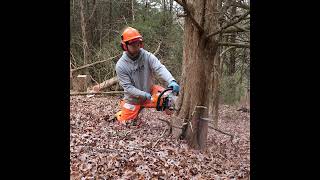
(134, 48)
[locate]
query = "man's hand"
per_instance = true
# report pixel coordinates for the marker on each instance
(175, 86)
(147, 96)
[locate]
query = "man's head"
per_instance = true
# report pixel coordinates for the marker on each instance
(131, 41)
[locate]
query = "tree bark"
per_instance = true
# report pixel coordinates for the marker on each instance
(232, 64)
(198, 60)
(197, 136)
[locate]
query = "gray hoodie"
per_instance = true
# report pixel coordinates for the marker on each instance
(137, 77)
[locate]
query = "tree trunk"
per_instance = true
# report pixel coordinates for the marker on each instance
(164, 5)
(132, 9)
(232, 64)
(84, 38)
(144, 15)
(198, 60)
(110, 21)
(128, 10)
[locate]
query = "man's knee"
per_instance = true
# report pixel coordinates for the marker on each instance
(128, 112)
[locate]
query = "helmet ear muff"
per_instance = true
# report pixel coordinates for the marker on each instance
(123, 46)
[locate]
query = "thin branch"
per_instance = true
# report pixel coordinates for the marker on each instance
(159, 138)
(180, 26)
(169, 124)
(224, 9)
(72, 58)
(76, 69)
(221, 131)
(181, 15)
(94, 80)
(235, 29)
(239, 45)
(241, 5)
(94, 9)
(242, 28)
(229, 48)
(87, 93)
(229, 24)
(125, 20)
(158, 48)
(194, 22)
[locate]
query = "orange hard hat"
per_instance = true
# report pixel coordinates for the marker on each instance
(130, 34)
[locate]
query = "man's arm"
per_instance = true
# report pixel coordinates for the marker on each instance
(160, 69)
(124, 81)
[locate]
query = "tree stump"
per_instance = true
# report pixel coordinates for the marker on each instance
(81, 83)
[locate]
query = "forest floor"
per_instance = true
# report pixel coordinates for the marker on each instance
(102, 149)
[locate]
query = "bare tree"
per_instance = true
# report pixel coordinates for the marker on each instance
(84, 37)
(198, 60)
(200, 67)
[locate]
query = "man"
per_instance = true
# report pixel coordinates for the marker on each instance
(135, 72)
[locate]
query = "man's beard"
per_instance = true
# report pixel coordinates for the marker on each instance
(134, 56)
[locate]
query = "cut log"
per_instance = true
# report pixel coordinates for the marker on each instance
(105, 84)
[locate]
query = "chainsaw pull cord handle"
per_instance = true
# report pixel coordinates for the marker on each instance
(159, 98)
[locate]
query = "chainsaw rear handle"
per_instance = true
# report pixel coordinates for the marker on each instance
(159, 98)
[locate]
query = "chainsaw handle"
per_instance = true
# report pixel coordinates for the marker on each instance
(159, 98)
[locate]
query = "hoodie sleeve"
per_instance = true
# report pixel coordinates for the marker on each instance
(125, 82)
(159, 69)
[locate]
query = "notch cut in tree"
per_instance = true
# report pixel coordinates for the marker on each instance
(198, 129)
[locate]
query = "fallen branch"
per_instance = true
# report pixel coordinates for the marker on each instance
(105, 84)
(159, 138)
(211, 121)
(88, 65)
(221, 132)
(86, 93)
(169, 124)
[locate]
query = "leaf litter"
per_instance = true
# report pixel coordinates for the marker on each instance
(100, 148)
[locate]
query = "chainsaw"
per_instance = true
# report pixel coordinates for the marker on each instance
(166, 101)
(162, 100)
